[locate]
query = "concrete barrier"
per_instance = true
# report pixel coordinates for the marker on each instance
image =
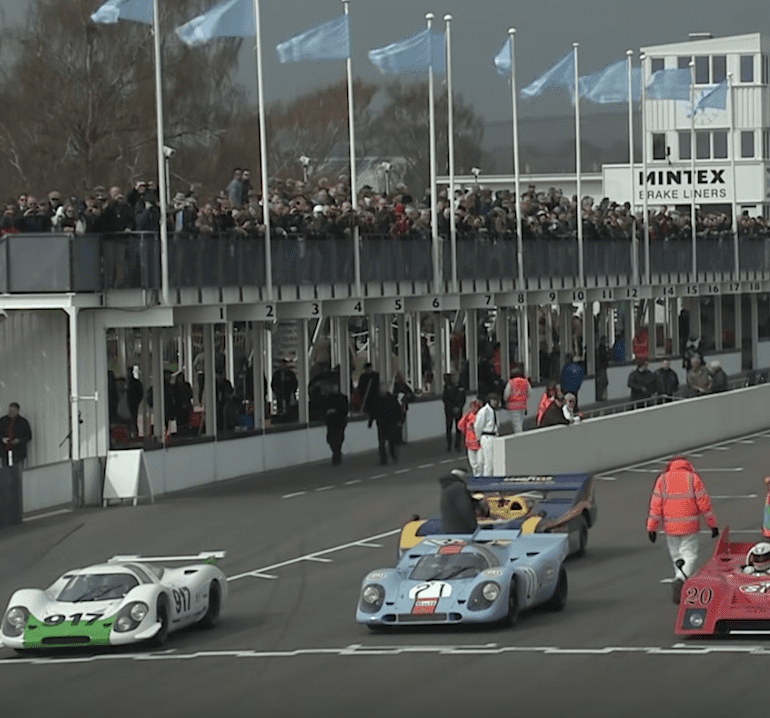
(608, 442)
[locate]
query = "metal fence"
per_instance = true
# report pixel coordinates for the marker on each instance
(92, 263)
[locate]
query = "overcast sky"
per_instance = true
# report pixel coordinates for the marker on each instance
(545, 31)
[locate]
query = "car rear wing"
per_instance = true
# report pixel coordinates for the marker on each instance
(520, 484)
(201, 557)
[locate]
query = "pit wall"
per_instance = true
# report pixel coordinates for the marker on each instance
(608, 442)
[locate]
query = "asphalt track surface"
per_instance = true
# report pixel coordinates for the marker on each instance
(298, 543)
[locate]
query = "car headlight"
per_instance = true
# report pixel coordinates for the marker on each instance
(372, 596)
(138, 612)
(130, 616)
(15, 621)
(490, 591)
(694, 618)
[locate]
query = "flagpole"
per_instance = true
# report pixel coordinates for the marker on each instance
(450, 128)
(263, 154)
(433, 195)
(634, 246)
(732, 172)
(578, 168)
(693, 220)
(352, 140)
(161, 157)
(516, 175)
(645, 209)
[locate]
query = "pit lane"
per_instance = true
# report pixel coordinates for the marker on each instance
(289, 646)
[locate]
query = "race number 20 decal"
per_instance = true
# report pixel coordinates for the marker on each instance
(698, 596)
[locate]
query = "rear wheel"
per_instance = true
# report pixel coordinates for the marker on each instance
(513, 605)
(211, 618)
(159, 639)
(582, 536)
(559, 598)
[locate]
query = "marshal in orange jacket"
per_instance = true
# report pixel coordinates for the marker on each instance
(678, 500)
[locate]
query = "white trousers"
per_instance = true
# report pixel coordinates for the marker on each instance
(684, 547)
(474, 459)
(485, 455)
(517, 419)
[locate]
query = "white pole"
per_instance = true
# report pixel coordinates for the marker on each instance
(74, 386)
(693, 221)
(645, 209)
(263, 155)
(450, 132)
(732, 150)
(634, 244)
(581, 275)
(433, 194)
(161, 158)
(516, 175)
(352, 140)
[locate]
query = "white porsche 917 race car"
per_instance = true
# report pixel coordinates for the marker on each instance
(128, 599)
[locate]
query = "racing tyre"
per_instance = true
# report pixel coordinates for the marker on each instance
(582, 537)
(513, 605)
(559, 598)
(211, 618)
(159, 639)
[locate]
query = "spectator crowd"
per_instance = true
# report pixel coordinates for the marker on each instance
(326, 209)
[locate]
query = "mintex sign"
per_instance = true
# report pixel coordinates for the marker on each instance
(675, 185)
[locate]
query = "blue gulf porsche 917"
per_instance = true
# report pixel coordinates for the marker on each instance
(485, 577)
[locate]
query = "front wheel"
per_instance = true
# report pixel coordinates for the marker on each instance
(512, 616)
(159, 639)
(582, 537)
(559, 598)
(211, 618)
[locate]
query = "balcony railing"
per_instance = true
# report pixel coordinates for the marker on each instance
(45, 263)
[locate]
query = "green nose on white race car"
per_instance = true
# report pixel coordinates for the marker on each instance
(127, 599)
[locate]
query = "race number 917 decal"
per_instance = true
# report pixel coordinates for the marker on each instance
(182, 599)
(75, 618)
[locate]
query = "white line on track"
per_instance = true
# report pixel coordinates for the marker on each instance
(737, 496)
(450, 461)
(402, 471)
(425, 466)
(692, 453)
(325, 488)
(489, 649)
(377, 476)
(354, 481)
(721, 448)
(606, 478)
(291, 496)
(315, 556)
(744, 441)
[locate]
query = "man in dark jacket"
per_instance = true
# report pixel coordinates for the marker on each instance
(15, 434)
(386, 411)
(643, 384)
(458, 509)
(336, 415)
(668, 381)
(453, 398)
(368, 389)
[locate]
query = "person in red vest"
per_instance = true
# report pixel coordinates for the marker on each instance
(545, 401)
(472, 445)
(515, 396)
(678, 501)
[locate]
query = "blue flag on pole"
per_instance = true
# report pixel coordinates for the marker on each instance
(502, 60)
(416, 52)
(114, 10)
(562, 74)
(670, 84)
(327, 41)
(232, 18)
(610, 84)
(712, 96)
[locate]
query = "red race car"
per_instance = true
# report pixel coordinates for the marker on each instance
(730, 594)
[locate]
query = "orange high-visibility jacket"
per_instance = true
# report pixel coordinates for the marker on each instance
(678, 501)
(545, 402)
(517, 396)
(466, 426)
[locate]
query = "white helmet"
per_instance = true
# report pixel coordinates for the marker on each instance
(759, 556)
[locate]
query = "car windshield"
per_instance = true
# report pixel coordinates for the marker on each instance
(97, 587)
(440, 567)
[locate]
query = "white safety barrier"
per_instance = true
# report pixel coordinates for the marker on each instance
(620, 439)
